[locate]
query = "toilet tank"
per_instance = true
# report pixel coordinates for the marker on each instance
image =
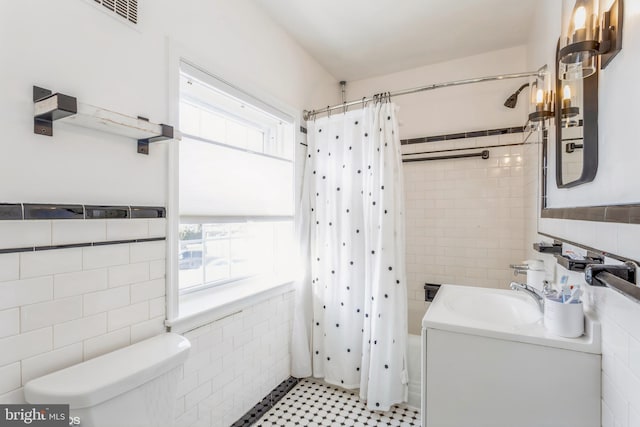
(132, 386)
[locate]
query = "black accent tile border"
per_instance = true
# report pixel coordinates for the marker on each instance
(79, 245)
(15, 250)
(622, 214)
(102, 212)
(461, 135)
(10, 211)
(52, 211)
(268, 402)
(148, 212)
(41, 211)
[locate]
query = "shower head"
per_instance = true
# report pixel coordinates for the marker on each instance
(513, 99)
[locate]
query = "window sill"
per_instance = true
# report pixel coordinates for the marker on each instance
(208, 305)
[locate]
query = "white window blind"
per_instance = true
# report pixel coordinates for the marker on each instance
(236, 156)
(220, 181)
(236, 190)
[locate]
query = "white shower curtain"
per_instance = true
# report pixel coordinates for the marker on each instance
(354, 201)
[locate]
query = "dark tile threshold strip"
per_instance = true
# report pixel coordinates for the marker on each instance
(30, 211)
(78, 245)
(269, 401)
(461, 135)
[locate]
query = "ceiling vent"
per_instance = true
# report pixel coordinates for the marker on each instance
(125, 9)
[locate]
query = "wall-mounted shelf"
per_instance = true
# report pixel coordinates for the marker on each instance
(548, 248)
(50, 107)
(579, 264)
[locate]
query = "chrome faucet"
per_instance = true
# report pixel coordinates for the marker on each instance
(532, 292)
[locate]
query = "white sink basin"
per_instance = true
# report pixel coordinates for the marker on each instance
(506, 309)
(502, 314)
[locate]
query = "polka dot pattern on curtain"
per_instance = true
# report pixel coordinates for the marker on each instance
(357, 253)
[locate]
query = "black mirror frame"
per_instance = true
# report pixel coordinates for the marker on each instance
(590, 131)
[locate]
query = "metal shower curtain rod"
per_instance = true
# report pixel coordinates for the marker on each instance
(540, 73)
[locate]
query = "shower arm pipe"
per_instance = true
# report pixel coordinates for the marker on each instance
(306, 114)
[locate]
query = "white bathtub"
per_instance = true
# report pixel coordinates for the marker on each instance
(414, 364)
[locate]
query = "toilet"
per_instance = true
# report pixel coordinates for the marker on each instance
(132, 386)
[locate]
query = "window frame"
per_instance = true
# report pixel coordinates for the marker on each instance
(272, 106)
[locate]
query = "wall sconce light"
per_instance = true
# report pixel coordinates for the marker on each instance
(571, 101)
(542, 100)
(587, 35)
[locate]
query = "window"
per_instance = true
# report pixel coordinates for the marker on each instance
(235, 184)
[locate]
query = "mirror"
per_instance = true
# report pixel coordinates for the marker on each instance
(576, 122)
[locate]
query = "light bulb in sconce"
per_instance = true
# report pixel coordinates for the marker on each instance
(567, 109)
(579, 24)
(589, 31)
(539, 99)
(566, 96)
(580, 18)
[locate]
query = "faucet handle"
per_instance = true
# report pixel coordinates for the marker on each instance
(519, 268)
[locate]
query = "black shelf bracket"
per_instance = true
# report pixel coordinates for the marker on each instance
(548, 248)
(579, 264)
(620, 278)
(61, 106)
(143, 144)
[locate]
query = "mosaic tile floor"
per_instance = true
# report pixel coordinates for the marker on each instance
(312, 403)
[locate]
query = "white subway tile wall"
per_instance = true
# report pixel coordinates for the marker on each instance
(466, 218)
(64, 232)
(62, 306)
(619, 316)
(235, 362)
(22, 234)
(620, 319)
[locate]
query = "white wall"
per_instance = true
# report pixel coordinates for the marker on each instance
(456, 109)
(618, 94)
(616, 182)
(72, 47)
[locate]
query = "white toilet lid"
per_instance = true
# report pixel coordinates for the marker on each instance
(97, 380)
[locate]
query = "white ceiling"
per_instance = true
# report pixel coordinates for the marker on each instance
(355, 39)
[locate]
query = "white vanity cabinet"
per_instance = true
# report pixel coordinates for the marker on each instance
(484, 372)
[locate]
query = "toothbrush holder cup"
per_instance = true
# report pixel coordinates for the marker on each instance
(565, 320)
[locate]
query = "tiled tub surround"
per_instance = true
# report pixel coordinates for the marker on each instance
(467, 218)
(59, 307)
(234, 363)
